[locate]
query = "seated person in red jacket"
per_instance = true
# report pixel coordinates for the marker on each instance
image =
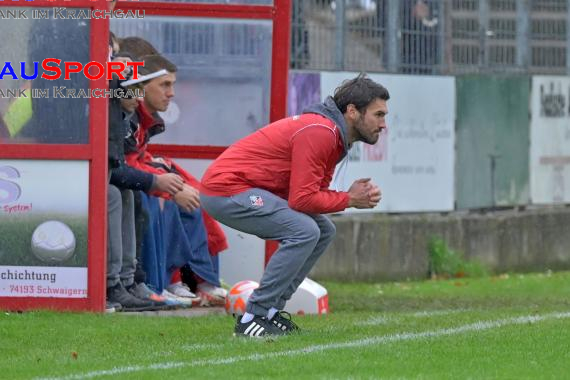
(274, 184)
(158, 93)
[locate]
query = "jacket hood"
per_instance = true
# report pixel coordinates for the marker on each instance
(329, 110)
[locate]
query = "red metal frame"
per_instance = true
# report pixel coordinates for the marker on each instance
(187, 151)
(96, 153)
(96, 150)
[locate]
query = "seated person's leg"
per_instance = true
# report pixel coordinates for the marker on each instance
(186, 243)
(152, 250)
(128, 239)
(116, 292)
(142, 229)
(114, 238)
(201, 261)
(208, 279)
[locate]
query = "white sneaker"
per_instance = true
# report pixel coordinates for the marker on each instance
(181, 290)
(183, 301)
(211, 295)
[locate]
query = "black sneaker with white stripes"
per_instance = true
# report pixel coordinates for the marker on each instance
(282, 320)
(258, 327)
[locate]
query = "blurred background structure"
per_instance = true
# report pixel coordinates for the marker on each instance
(479, 119)
(477, 150)
(431, 36)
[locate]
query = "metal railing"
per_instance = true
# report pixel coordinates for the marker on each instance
(432, 36)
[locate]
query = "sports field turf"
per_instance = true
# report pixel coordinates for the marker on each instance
(506, 327)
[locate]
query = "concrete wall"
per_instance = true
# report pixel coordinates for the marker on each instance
(394, 247)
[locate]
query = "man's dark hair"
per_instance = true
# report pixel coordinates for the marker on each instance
(154, 63)
(360, 91)
(137, 46)
(124, 54)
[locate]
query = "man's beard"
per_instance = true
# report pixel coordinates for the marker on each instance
(361, 137)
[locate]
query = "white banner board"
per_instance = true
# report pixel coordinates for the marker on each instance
(413, 162)
(48, 282)
(43, 228)
(550, 140)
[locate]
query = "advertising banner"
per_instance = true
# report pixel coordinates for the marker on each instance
(413, 161)
(550, 140)
(43, 228)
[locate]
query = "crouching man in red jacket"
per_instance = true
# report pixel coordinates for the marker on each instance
(275, 182)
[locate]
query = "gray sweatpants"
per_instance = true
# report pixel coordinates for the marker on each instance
(303, 239)
(121, 243)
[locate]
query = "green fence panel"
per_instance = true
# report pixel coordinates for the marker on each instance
(492, 141)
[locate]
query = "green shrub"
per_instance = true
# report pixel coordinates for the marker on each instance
(445, 262)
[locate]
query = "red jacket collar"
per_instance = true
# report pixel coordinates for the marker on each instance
(148, 120)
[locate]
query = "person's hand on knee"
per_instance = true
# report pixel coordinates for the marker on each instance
(188, 198)
(169, 183)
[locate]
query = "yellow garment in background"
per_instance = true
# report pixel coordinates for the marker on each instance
(19, 112)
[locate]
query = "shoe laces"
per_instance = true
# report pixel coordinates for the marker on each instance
(286, 317)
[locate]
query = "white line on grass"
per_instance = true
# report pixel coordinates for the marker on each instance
(375, 321)
(385, 319)
(477, 326)
(199, 346)
(433, 313)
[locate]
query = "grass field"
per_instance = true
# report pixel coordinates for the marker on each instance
(506, 327)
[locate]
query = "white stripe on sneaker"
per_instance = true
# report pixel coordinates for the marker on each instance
(253, 324)
(259, 331)
(252, 333)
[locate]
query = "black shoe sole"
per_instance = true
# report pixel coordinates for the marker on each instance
(244, 336)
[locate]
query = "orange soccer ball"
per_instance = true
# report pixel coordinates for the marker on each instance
(238, 295)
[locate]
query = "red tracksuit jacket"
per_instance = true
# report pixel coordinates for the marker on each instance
(294, 158)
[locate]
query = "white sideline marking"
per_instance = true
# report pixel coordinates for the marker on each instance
(477, 326)
(199, 346)
(383, 320)
(434, 313)
(375, 321)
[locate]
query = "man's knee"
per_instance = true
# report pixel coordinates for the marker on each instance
(328, 229)
(308, 230)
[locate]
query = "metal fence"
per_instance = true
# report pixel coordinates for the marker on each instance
(236, 48)
(432, 36)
